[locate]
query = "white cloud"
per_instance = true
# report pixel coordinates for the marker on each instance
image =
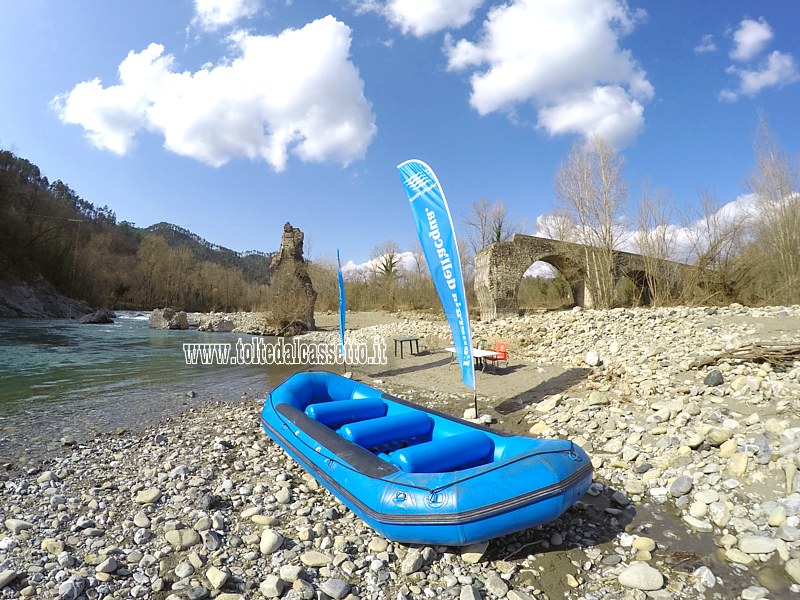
(564, 57)
(422, 18)
(213, 14)
(778, 70)
(706, 44)
(607, 111)
(750, 38)
(296, 92)
(407, 262)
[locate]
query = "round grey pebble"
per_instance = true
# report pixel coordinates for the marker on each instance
(714, 378)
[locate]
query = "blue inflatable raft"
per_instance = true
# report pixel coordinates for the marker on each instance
(417, 475)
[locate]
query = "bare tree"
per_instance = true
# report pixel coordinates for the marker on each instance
(715, 239)
(557, 225)
(386, 259)
(386, 271)
(776, 191)
(591, 190)
(489, 223)
(655, 241)
(323, 273)
(419, 291)
(420, 266)
(288, 307)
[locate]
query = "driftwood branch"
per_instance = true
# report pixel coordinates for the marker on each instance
(777, 355)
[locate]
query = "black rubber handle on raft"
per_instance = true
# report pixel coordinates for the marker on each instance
(353, 454)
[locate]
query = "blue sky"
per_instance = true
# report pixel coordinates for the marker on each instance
(231, 118)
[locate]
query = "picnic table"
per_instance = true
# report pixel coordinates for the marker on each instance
(478, 354)
(409, 339)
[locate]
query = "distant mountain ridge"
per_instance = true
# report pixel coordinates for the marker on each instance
(254, 263)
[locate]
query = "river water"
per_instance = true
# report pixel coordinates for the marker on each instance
(60, 380)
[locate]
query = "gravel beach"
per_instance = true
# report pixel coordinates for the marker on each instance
(695, 493)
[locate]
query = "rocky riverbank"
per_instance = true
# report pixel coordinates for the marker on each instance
(250, 323)
(695, 493)
(711, 450)
(39, 301)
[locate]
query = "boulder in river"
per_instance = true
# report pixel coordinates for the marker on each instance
(215, 322)
(99, 317)
(168, 318)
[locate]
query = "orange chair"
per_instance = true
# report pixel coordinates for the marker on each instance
(501, 355)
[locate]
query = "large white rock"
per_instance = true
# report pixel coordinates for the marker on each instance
(473, 553)
(148, 496)
(217, 577)
(757, 544)
(182, 539)
(17, 525)
(592, 358)
(270, 541)
(271, 587)
(641, 576)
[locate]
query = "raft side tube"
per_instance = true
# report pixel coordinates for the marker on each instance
(444, 454)
(305, 388)
(339, 412)
(383, 430)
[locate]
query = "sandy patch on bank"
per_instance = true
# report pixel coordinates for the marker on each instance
(432, 377)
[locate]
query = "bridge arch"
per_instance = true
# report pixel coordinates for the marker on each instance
(499, 269)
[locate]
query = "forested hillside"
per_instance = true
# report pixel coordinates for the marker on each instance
(47, 231)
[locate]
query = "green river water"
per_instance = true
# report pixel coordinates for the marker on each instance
(62, 380)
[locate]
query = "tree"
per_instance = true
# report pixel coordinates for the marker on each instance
(655, 241)
(386, 272)
(489, 223)
(288, 299)
(419, 289)
(592, 193)
(420, 265)
(776, 194)
(557, 225)
(324, 276)
(715, 239)
(152, 255)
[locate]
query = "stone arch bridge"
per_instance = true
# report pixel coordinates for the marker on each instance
(499, 269)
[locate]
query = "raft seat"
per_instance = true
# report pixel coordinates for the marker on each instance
(383, 430)
(444, 454)
(339, 412)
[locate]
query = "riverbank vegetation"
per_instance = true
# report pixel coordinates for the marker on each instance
(47, 231)
(747, 251)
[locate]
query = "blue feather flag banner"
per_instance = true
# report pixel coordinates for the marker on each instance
(342, 306)
(438, 239)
